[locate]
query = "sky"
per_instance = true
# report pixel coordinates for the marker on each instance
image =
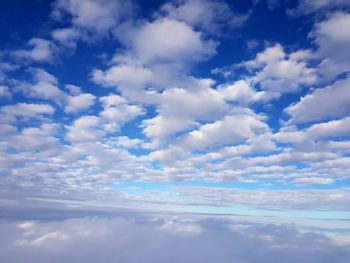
(222, 108)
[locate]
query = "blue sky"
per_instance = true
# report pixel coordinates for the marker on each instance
(188, 105)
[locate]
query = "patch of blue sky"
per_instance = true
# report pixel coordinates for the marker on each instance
(166, 185)
(162, 186)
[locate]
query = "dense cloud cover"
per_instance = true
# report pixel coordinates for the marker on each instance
(162, 239)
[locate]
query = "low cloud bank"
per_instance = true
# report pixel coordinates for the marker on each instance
(145, 238)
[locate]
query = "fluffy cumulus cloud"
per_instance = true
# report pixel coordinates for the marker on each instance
(276, 71)
(123, 75)
(79, 103)
(27, 110)
(39, 50)
(230, 130)
(84, 129)
(330, 102)
(95, 17)
(155, 59)
(127, 142)
(117, 111)
(44, 86)
(152, 43)
(333, 39)
(180, 109)
(38, 138)
(208, 15)
(186, 109)
(242, 92)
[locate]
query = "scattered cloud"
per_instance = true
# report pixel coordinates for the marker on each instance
(84, 129)
(117, 111)
(5, 92)
(66, 36)
(276, 71)
(208, 15)
(39, 50)
(90, 17)
(332, 39)
(331, 102)
(27, 109)
(305, 7)
(79, 103)
(44, 86)
(221, 132)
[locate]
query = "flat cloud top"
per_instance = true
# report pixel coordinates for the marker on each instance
(163, 238)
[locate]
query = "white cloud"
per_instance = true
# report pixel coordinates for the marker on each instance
(124, 75)
(66, 36)
(160, 127)
(202, 102)
(333, 40)
(163, 238)
(180, 109)
(42, 75)
(6, 129)
(208, 15)
(79, 103)
(313, 180)
(73, 90)
(43, 87)
(95, 17)
(293, 156)
(232, 129)
(126, 142)
(4, 92)
(192, 128)
(335, 128)
(153, 59)
(258, 144)
(153, 43)
(334, 28)
(132, 81)
(117, 111)
(41, 50)
(330, 102)
(277, 199)
(307, 7)
(27, 109)
(316, 132)
(241, 92)
(279, 72)
(343, 162)
(86, 128)
(35, 138)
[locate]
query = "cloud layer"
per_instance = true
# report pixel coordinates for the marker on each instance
(159, 239)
